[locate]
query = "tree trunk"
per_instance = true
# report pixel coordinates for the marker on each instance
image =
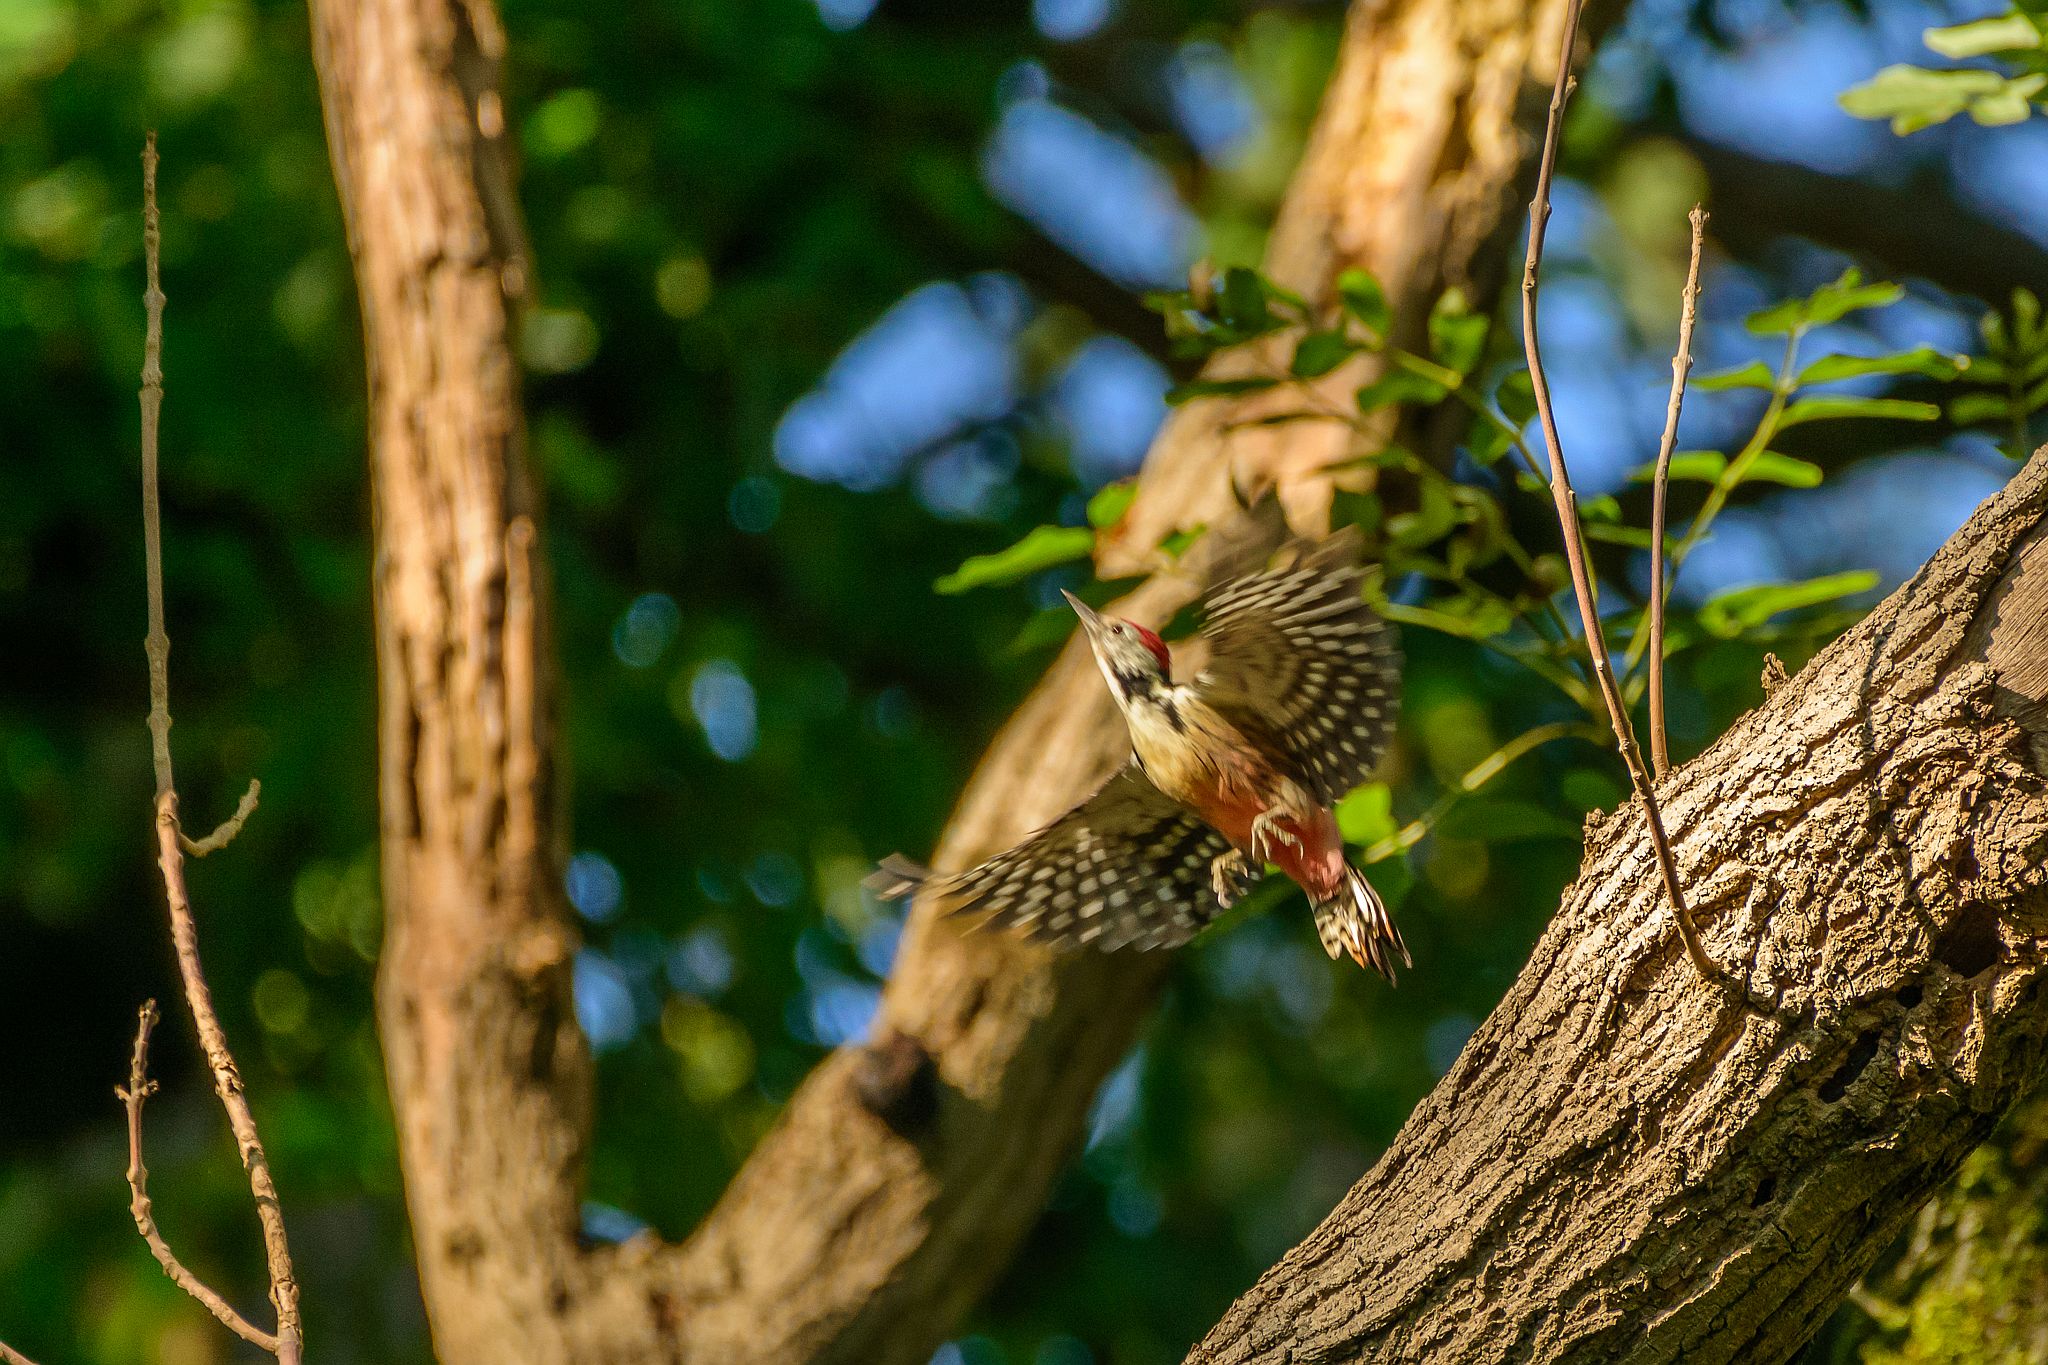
(903, 1172)
(1628, 1164)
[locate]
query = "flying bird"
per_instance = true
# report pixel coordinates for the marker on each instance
(1230, 771)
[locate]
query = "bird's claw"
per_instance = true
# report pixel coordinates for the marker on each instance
(1230, 876)
(1267, 832)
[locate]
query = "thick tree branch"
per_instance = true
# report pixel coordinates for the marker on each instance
(904, 1172)
(1624, 1164)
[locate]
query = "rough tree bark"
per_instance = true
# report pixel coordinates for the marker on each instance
(1628, 1164)
(902, 1173)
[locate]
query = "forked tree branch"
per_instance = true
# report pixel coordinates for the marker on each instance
(1568, 516)
(902, 1173)
(1681, 366)
(227, 1079)
(132, 1095)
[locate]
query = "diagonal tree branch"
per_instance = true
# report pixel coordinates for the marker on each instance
(1624, 1164)
(902, 1173)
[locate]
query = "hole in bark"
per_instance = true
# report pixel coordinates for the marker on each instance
(1860, 1054)
(1970, 945)
(1766, 1191)
(1909, 995)
(899, 1083)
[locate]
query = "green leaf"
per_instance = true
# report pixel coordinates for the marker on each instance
(1913, 97)
(1516, 398)
(1922, 360)
(1318, 353)
(1973, 408)
(1833, 302)
(1771, 467)
(1110, 502)
(1829, 303)
(1399, 387)
(1487, 443)
(1705, 466)
(2009, 105)
(1041, 548)
(1366, 816)
(1603, 508)
(1217, 388)
(2003, 33)
(1457, 335)
(1730, 614)
(1496, 821)
(1434, 516)
(1830, 407)
(1466, 617)
(1365, 300)
(1635, 537)
(1241, 302)
(1754, 375)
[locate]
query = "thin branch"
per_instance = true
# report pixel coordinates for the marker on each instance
(10, 1356)
(227, 1080)
(1681, 366)
(138, 1089)
(225, 832)
(1568, 514)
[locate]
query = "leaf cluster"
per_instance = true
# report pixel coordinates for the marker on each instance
(1916, 97)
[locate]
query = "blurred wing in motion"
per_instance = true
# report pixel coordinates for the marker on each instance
(1128, 867)
(1304, 668)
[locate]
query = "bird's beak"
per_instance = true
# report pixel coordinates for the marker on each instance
(1091, 620)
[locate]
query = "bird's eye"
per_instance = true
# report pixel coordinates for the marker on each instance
(1118, 630)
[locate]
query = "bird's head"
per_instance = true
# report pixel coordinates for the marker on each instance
(1133, 658)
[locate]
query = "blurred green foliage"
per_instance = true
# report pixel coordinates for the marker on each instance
(720, 197)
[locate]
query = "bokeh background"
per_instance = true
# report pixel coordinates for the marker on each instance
(832, 294)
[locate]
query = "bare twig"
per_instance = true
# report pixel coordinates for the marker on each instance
(10, 1356)
(224, 833)
(1681, 366)
(1568, 515)
(138, 1089)
(227, 1080)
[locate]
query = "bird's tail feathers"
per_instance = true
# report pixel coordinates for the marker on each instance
(895, 877)
(1354, 922)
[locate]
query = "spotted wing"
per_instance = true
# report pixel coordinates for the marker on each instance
(1301, 665)
(1128, 867)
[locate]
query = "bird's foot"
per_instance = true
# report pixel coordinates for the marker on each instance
(1231, 875)
(1267, 834)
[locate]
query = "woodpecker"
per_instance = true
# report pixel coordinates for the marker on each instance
(1231, 771)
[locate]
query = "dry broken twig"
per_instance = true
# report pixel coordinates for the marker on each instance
(227, 1080)
(1681, 366)
(1568, 517)
(138, 1089)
